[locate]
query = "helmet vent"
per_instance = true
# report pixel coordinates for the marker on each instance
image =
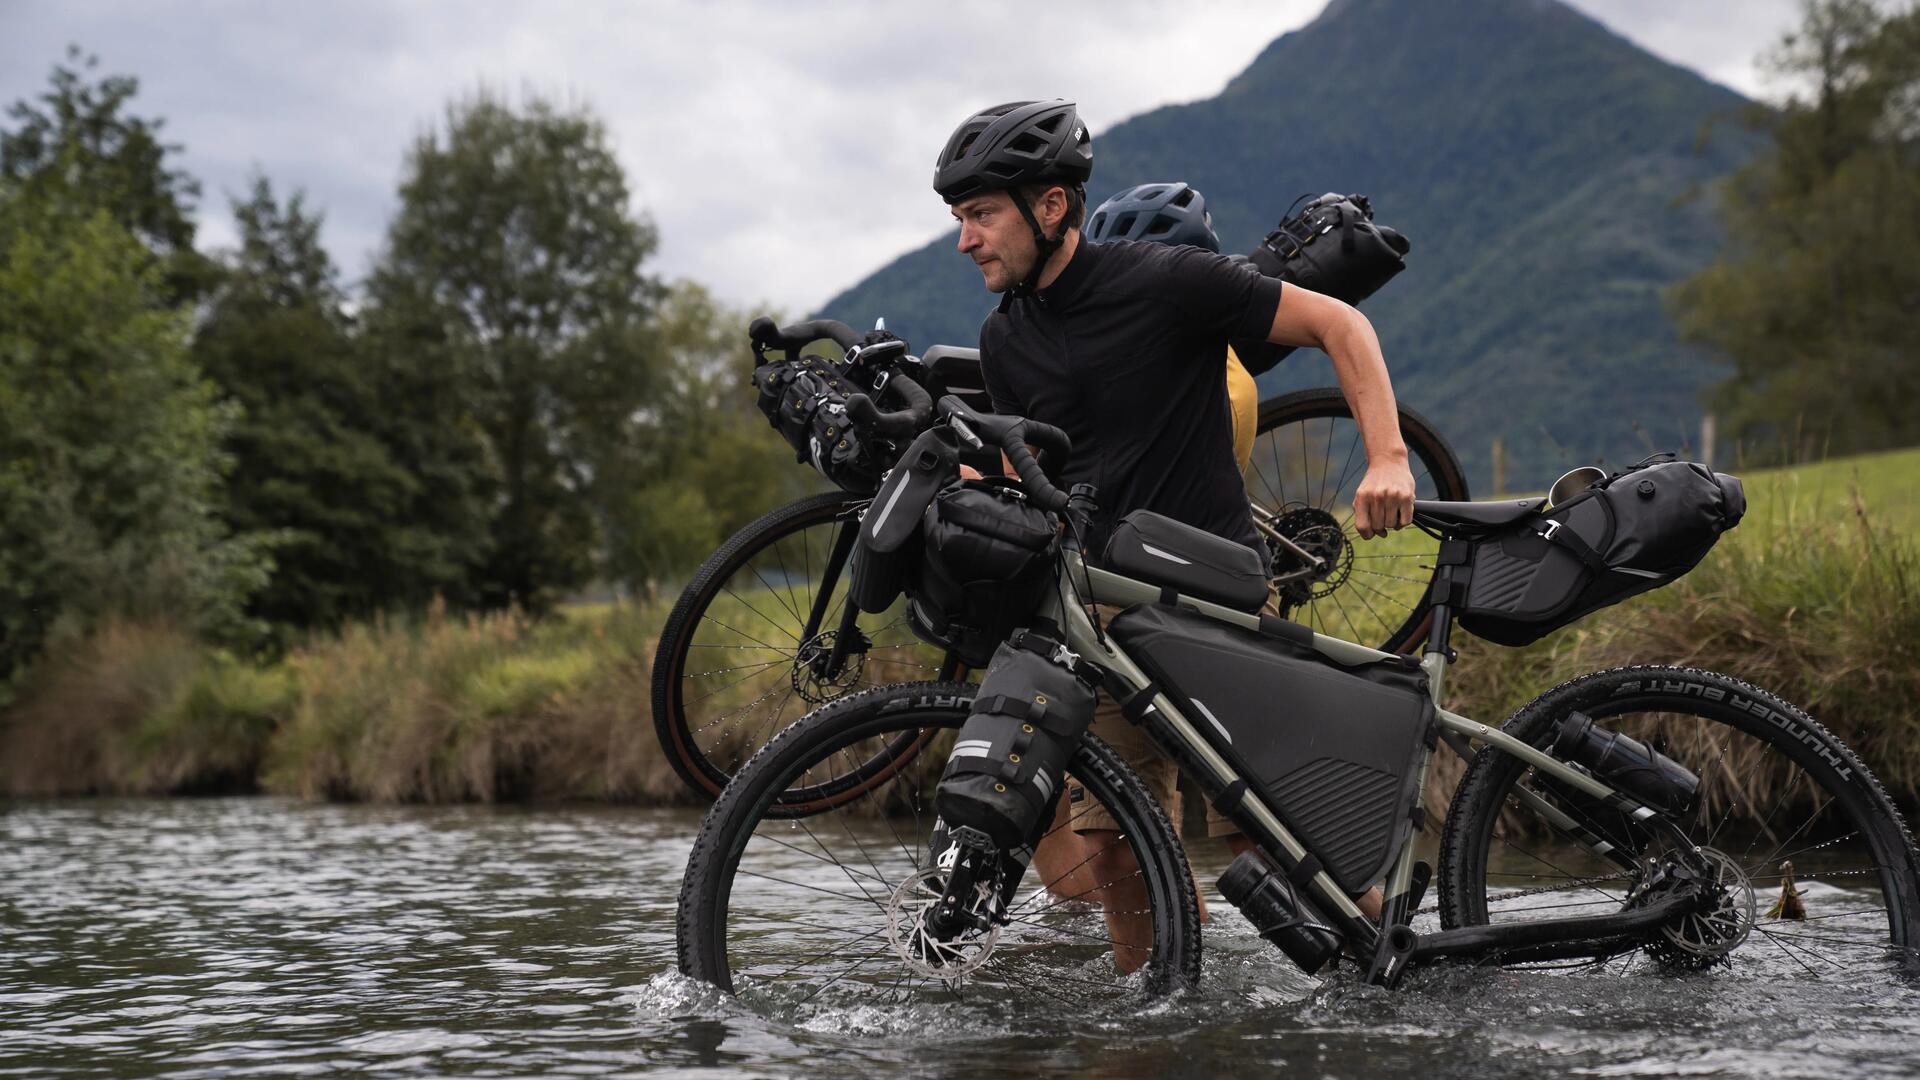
(1027, 143)
(1182, 199)
(1124, 224)
(1162, 225)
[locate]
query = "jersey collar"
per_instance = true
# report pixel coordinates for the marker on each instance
(1073, 276)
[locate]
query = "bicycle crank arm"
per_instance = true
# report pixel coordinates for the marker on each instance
(1594, 936)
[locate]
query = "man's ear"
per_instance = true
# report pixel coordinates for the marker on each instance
(1052, 210)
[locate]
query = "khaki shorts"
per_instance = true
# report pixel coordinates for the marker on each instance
(1156, 770)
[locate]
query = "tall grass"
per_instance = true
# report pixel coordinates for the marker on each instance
(140, 708)
(476, 709)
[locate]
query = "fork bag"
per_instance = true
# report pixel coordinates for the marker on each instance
(1011, 755)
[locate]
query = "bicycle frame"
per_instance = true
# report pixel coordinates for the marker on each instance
(1390, 942)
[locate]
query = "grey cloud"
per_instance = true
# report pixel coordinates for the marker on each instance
(783, 148)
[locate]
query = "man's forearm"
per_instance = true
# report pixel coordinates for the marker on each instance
(1362, 371)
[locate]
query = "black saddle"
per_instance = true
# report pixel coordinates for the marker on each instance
(1451, 517)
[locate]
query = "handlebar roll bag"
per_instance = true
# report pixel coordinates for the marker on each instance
(986, 561)
(1011, 755)
(1631, 532)
(804, 398)
(1332, 750)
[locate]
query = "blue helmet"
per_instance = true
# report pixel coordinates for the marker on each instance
(1162, 213)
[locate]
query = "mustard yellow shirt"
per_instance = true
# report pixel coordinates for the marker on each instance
(1244, 398)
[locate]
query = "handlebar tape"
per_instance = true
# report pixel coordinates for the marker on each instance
(763, 331)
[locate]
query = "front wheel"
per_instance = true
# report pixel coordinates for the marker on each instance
(1814, 870)
(796, 915)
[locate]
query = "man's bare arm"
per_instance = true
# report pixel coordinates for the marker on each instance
(1306, 318)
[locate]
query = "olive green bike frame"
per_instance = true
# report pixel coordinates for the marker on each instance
(1182, 739)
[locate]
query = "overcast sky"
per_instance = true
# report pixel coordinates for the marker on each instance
(783, 147)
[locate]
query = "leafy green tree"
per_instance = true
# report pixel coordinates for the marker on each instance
(78, 145)
(712, 464)
(312, 467)
(1816, 301)
(515, 257)
(110, 463)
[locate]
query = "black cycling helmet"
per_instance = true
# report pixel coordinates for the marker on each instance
(1013, 145)
(1162, 213)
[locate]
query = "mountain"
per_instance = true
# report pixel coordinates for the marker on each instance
(1549, 173)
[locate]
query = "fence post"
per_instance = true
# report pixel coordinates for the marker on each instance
(1499, 466)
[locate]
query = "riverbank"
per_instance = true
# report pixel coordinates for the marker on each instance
(1816, 596)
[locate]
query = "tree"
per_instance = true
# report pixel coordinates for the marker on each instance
(515, 256)
(78, 147)
(110, 461)
(711, 463)
(1816, 301)
(312, 467)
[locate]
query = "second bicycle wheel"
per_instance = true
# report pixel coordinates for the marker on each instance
(754, 643)
(1308, 460)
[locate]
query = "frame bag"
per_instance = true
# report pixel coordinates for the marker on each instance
(1332, 750)
(1634, 531)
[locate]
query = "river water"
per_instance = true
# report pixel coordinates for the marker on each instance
(261, 937)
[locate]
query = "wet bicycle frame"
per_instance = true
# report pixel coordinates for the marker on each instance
(1390, 943)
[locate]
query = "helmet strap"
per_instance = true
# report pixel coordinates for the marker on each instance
(1044, 246)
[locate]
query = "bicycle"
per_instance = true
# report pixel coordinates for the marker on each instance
(761, 633)
(1551, 854)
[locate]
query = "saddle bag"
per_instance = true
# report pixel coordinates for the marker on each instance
(1011, 754)
(1332, 246)
(986, 560)
(1332, 750)
(1629, 533)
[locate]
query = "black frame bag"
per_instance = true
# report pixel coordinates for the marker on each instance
(1331, 748)
(1629, 533)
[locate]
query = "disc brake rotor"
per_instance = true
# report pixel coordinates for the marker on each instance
(947, 960)
(1709, 936)
(811, 680)
(1318, 533)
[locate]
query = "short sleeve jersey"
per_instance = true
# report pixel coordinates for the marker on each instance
(1126, 352)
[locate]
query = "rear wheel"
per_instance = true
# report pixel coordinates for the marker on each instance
(796, 915)
(1815, 870)
(1308, 461)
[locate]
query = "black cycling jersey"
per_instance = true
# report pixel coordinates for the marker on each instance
(1126, 351)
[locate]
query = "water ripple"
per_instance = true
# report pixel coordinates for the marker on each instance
(259, 937)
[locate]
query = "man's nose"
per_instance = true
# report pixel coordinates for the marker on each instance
(968, 238)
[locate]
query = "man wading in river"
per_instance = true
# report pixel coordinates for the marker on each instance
(1121, 345)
